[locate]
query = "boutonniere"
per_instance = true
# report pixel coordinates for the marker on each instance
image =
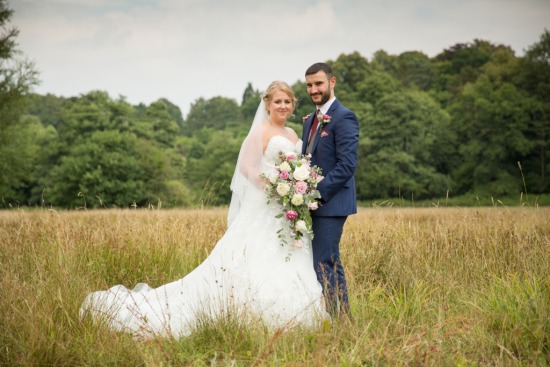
(324, 118)
(305, 117)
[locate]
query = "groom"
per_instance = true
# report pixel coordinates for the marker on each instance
(331, 136)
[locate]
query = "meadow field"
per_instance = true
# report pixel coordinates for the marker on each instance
(428, 287)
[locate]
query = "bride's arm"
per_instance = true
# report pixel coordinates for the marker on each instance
(251, 156)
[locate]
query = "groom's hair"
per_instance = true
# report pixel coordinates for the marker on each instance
(320, 66)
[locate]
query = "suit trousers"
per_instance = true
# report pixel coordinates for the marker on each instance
(327, 263)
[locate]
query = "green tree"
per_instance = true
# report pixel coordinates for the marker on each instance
(102, 169)
(217, 113)
(471, 56)
(49, 108)
(492, 123)
(534, 78)
(17, 77)
(458, 65)
(89, 113)
(350, 70)
(211, 173)
(251, 100)
(173, 111)
(113, 154)
(399, 155)
(460, 121)
(414, 68)
(159, 118)
(382, 61)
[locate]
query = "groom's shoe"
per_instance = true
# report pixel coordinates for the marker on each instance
(339, 311)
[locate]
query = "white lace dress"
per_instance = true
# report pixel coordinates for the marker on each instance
(247, 273)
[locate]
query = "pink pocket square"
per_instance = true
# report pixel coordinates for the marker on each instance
(324, 133)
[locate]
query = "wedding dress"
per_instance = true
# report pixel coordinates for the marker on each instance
(248, 273)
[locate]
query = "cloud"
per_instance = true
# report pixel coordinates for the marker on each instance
(183, 50)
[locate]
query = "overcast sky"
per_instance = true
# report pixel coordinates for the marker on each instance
(186, 49)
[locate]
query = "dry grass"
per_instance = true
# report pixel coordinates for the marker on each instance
(437, 286)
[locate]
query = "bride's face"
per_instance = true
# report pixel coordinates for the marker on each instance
(280, 106)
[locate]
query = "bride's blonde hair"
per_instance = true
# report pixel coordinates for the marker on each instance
(282, 86)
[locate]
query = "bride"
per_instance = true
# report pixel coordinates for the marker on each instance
(247, 273)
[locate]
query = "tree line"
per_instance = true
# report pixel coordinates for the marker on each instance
(474, 119)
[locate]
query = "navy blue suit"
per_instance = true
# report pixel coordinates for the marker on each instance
(335, 152)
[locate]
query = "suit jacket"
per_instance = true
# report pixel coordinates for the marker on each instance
(335, 152)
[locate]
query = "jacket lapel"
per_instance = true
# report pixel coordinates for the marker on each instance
(330, 112)
(316, 137)
(305, 132)
(333, 107)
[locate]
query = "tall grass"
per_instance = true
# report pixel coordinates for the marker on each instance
(428, 286)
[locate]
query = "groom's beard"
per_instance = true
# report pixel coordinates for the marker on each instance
(326, 97)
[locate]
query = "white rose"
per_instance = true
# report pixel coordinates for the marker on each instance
(297, 199)
(283, 188)
(301, 173)
(301, 226)
(284, 167)
(313, 205)
(273, 177)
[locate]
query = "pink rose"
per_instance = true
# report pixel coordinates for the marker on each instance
(291, 215)
(299, 243)
(314, 175)
(290, 157)
(313, 206)
(283, 175)
(300, 187)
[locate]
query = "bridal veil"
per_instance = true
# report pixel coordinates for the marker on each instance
(247, 170)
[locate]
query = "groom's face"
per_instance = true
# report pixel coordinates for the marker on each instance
(319, 88)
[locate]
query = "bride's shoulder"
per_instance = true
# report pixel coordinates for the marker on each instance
(291, 131)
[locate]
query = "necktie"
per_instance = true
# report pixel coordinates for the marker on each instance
(314, 126)
(309, 147)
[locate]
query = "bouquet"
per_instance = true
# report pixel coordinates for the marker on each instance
(293, 185)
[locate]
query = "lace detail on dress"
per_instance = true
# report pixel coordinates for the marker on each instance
(275, 145)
